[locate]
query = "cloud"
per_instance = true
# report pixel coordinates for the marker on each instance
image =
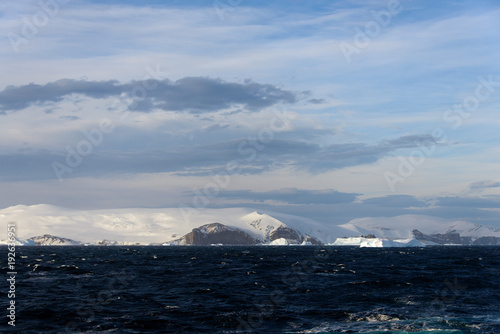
(469, 202)
(250, 155)
(479, 186)
(344, 155)
(20, 97)
(395, 201)
(317, 101)
(189, 94)
(70, 118)
(410, 141)
(293, 196)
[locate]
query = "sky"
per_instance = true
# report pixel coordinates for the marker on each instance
(331, 110)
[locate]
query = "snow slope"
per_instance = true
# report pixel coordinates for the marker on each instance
(264, 223)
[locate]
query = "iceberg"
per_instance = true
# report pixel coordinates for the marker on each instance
(18, 242)
(279, 242)
(377, 242)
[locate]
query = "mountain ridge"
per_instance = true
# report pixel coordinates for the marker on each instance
(245, 226)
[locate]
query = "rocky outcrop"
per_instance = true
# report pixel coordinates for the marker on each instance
(292, 236)
(216, 233)
(106, 242)
(220, 234)
(51, 240)
(487, 241)
(438, 238)
(312, 241)
(283, 232)
(454, 238)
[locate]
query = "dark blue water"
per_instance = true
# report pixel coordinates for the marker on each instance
(256, 289)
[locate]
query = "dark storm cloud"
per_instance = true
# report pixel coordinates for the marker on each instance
(190, 94)
(293, 196)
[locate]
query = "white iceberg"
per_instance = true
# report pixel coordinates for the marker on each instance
(279, 242)
(377, 242)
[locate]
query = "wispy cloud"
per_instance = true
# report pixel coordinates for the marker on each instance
(480, 186)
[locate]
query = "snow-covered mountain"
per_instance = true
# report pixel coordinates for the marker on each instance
(403, 226)
(39, 224)
(50, 240)
(430, 230)
(160, 226)
(214, 234)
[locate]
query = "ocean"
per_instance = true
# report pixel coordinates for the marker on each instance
(302, 289)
